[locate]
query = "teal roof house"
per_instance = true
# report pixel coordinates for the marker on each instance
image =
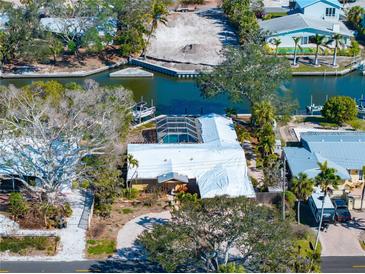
(306, 19)
(344, 151)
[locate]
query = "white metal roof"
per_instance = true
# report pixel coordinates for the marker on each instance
(317, 196)
(218, 164)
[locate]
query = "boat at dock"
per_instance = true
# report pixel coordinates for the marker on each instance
(314, 108)
(142, 110)
(361, 108)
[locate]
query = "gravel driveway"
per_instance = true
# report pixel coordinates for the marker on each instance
(343, 239)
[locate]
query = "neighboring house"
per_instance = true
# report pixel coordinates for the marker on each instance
(328, 10)
(308, 18)
(202, 154)
(344, 151)
(77, 26)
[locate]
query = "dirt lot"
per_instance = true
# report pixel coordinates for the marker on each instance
(67, 63)
(193, 37)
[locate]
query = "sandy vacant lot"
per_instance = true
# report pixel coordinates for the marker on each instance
(196, 38)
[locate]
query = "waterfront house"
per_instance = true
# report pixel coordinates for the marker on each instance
(305, 20)
(327, 10)
(202, 154)
(344, 151)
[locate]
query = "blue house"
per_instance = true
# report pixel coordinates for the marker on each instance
(328, 10)
(305, 20)
(343, 151)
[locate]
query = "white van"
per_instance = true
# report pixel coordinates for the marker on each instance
(315, 204)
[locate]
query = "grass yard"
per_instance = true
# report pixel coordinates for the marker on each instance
(311, 68)
(320, 121)
(28, 245)
(358, 124)
(101, 247)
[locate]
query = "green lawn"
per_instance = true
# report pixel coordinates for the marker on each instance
(25, 245)
(101, 247)
(358, 124)
(310, 68)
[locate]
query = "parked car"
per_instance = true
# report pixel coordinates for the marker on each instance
(342, 213)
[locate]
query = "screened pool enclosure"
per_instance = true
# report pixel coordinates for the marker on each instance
(178, 129)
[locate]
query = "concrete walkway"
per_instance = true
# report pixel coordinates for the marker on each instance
(72, 238)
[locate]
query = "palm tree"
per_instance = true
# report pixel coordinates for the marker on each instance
(319, 41)
(131, 163)
(158, 15)
(363, 186)
(296, 46)
(266, 137)
(276, 42)
(337, 39)
(326, 178)
(302, 188)
(262, 112)
(355, 15)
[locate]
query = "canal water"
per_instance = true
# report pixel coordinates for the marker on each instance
(177, 96)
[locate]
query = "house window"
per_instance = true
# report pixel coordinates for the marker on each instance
(330, 12)
(304, 40)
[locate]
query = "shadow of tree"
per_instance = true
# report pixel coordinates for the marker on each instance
(148, 222)
(355, 223)
(228, 36)
(135, 265)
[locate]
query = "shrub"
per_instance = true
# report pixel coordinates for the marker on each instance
(231, 268)
(290, 198)
(355, 48)
(127, 210)
(67, 210)
(85, 185)
(21, 245)
(18, 207)
(130, 193)
(340, 109)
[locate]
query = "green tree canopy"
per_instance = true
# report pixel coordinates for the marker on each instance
(340, 109)
(201, 236)
(247, 73)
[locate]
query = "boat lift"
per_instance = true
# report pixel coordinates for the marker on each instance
(141, 110)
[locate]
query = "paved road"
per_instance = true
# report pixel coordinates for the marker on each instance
(341, 264)
(110, 265)
(329, 264)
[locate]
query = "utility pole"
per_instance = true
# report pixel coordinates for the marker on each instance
(283, 201)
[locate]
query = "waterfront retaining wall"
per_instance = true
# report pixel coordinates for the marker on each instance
(164, 70)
